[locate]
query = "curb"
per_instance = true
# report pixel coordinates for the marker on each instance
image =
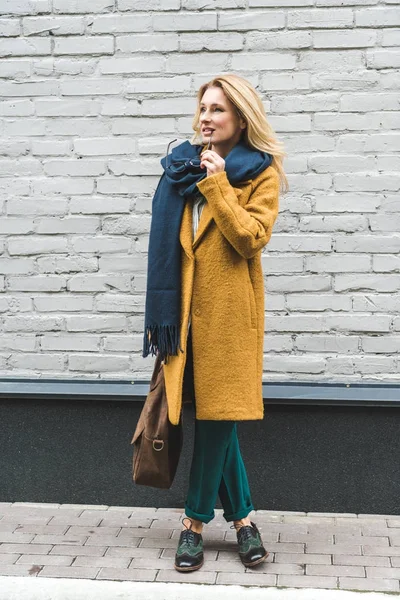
(29, 588)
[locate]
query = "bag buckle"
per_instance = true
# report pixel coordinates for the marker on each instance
(160, 447)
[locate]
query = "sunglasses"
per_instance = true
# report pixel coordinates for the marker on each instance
(194, 162)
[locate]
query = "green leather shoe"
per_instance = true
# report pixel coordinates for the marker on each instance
(251, 548)
(189, 554)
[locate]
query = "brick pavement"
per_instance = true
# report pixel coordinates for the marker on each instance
(313, 550)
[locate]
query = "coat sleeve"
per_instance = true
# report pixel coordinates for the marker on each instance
(247, 228)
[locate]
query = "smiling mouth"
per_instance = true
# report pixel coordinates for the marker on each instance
(208, 131)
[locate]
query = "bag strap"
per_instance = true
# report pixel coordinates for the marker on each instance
(157, 368)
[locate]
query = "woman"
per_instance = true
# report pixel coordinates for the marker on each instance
(213, 212)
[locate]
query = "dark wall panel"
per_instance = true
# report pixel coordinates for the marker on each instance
(307, 458)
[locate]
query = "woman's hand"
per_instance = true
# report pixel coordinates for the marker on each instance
(213, 161)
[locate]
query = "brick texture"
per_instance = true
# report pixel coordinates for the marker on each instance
(67, 541)
(92, 92)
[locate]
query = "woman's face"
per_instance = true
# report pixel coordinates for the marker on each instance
(219, 118)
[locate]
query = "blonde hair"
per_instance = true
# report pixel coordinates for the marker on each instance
(258, 132)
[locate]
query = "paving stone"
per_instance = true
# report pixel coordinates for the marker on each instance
(306, 537)
(286, 547)
(222, 546)
(284, 528)
(381, 550)
(383, 572)
(135, 543)
(26, 519)
(318, 548)
(102, 513)
(8, 526)
(303, 559)
(309, 520)
(374, 516)
(134, 521)
(45, 559)
(60, 539)
(373, 585)
(173, 575)
(343, 538)
(76, 509)
(141, 532)
(16, 538)
(106, 540)
(359, 521)
(103, 561)
(394, 540)
(120, 574)
(28, 570)
(247, 578)
(81, 507)
(310, 581)
(393, 523)
(23, 513)
(376, 531)
(60, 519)
(79, 550)
(315, 529)
(268, 516)
(134, 552)
(336, 570)
(155, 563)
(277, 568)
(8, 559)
(40, 505)
(141, 510)
(367, 561)
(42, 529)
(25, 548)
(100, 531)
(76, 572)
(266, 520)
(164, 523)
(375, 521)
(157, 543)
(292, 513)
(330, 514)
(224, 566)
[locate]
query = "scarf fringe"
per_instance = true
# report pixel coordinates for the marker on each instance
(161, 339)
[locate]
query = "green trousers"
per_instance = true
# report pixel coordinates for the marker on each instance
(217, 467)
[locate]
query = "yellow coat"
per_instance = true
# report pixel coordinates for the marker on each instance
(222, 289)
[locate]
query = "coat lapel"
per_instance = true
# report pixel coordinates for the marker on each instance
(186, 231)
(206, 219)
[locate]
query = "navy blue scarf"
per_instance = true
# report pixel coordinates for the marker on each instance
(176, 185)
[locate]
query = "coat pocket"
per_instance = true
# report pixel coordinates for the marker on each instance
(253, 306)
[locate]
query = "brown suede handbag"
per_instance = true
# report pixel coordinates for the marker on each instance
(157, 443)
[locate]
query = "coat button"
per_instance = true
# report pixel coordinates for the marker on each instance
(197, 312)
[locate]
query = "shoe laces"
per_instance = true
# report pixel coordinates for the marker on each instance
(244, 532)
(187, 535)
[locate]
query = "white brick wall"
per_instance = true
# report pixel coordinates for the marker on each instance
(92, 91)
